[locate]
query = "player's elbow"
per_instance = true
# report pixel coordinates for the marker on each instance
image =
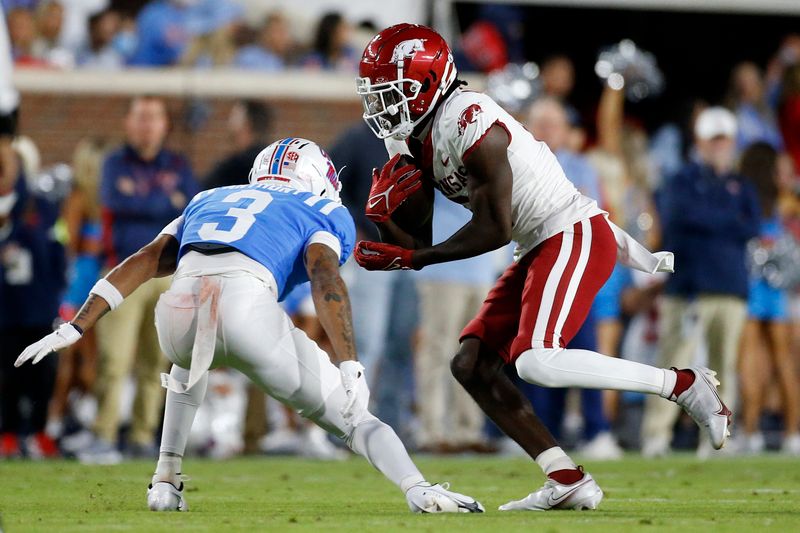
(500, 233)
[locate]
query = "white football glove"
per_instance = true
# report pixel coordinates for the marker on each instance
(64, 336)
(355, 386)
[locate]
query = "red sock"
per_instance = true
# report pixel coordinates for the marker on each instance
(683, 382)
(566, 477)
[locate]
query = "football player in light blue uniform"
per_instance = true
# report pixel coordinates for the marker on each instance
(235, 252)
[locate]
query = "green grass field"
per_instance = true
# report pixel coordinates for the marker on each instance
(276, 494)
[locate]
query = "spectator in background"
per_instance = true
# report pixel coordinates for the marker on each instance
(767, 328)
(558, 80)
(46, 47)
(549, 122)
(144, 186)
(249, 125)
(332, 49)
(450, 295)
(272, 48)
(789, 112)
(162, 33)
(755, 119)
(77, 365)
(709, 213)
(31, 278)
(74, 35)
(100, 51)
(213, 25)
(22, 33)
(626, 174)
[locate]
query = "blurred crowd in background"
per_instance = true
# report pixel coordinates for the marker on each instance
(718, 185)
(103, 34)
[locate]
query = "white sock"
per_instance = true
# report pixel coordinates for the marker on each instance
(670, 380)
(554, 459)
(383, 449)
(179, 413)
(168, 468)
(559, 367)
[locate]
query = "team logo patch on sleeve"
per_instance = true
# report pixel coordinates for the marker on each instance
(468, 116)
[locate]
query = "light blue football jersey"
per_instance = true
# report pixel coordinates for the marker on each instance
(270, 224)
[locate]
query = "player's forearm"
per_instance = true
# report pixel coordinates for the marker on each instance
(474, 239)
(332, 303)
(157, 259)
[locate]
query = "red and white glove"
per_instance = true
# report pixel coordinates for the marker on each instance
(382, 256)
(390, 188)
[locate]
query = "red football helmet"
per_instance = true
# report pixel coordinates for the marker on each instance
(404, 71)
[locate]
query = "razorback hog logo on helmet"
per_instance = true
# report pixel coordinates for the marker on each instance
(468, 116)
(407, 49)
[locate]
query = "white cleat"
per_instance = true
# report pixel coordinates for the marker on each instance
(427, 498)
(582, 495)
(164, 496)
(705, 406)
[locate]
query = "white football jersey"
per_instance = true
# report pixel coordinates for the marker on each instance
(543, 201)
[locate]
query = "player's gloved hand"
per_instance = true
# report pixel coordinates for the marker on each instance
(64, 336)
(390, 188)
(382, 256)
(355, 386)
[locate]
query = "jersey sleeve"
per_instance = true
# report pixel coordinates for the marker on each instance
(341, 224)
(174, 228)
(472, 115)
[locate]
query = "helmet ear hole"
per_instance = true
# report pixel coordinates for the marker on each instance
(426, 84)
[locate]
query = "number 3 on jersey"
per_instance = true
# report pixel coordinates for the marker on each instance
(245, 217)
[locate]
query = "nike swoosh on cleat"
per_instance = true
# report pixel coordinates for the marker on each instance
(552, 502)
(723, 409)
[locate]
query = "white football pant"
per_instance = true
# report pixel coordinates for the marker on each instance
(255, 336)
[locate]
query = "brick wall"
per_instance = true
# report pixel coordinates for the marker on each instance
(56, 122)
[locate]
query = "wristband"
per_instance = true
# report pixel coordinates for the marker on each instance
(77, 327)
(108, 292)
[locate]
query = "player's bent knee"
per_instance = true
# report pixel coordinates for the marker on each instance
(533, 367)
(464, 364)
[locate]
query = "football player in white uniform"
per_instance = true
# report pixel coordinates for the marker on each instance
(475, 153)
(235, 252)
